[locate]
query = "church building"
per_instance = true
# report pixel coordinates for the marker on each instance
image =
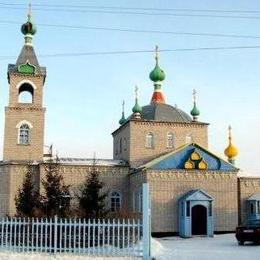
(158, 144)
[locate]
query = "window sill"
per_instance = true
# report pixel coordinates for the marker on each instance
(23, 144)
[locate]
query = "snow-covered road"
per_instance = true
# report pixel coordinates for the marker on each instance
(221, 247)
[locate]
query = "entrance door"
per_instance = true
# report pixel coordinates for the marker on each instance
(199, 220)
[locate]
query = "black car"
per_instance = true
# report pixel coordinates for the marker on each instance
(249, 231)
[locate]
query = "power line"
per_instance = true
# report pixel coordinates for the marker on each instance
(139, 31)
(57, 55)
(135, 13)
(138, 8)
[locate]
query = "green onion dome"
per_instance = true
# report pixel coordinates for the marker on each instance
(28, 27)
(137, 108)
(195, 111)
(122, 120)
(157, 74)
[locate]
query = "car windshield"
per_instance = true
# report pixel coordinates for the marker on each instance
(252, 222)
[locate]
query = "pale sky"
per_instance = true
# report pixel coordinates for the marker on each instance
(83, 94)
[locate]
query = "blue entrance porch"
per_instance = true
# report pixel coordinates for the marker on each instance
(195, 214)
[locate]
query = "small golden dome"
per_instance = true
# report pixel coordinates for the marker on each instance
(231, 151)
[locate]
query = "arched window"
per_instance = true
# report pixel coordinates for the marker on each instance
(170, 140)
(149, 140)
(125, 144)
(120, 145)
(189, 138)
(116, 149)
(115, 201)
(24, 131)
(26, 92)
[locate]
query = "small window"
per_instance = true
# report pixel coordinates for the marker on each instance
(120, 145)
(170, 140)
(115, 201)
(138, 201)
(187, 208)
(252, 208)
(125, 144)
(189, 138)
(149, 141)
(116, 147)
(24, 134)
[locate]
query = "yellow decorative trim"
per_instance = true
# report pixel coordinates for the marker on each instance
(202, 165)
(195, 156)
(189, 165)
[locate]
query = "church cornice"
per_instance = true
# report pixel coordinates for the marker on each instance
(190, 175)
(25, 107)
(186, 124)
(156, 123)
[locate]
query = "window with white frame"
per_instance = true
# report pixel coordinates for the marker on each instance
(170, 140)
(24, 132)
(115, 201)
(149, 140)
(188, 138)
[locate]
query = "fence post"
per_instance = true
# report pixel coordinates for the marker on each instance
(55, 233)
(146, 222)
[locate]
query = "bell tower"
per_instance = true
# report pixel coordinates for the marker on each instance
(24, 115)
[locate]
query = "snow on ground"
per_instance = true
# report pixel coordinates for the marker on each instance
(221, 247)
(22, 256)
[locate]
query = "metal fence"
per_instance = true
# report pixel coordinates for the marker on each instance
(77, 236)
(102, 237)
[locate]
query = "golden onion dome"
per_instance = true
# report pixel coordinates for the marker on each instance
(231, 151)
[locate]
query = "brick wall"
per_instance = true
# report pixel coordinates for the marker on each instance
(135, 132)
(166, 187)
(16, 112)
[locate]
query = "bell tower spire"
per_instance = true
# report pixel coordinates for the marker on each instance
(28, 28)
(24, 115)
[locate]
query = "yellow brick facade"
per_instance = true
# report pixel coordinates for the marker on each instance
(134, 133)
(32, 113)
(167, 187)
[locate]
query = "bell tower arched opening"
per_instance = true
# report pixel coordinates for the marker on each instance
(26, 93)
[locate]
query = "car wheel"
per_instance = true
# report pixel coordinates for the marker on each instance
(241, 243)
